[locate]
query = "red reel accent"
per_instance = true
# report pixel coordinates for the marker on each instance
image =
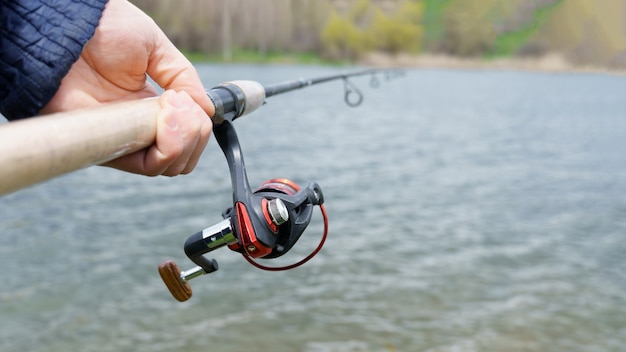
(306, 259)
(266, 215)
(251, 245)
(248, 237)
(282, 185)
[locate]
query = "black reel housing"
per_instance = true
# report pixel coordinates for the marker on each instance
(265, 223)
(299, 204)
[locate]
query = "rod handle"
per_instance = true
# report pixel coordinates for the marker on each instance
(37, 149)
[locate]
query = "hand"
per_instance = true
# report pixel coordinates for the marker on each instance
(126, 46)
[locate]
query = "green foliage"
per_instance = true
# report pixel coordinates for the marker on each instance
(411, 12)
(366, 27)
(583, 31)
(434, 29)
(342, 39)
(360, 10)
(469, 27)
(401, 31)
(268, 57)
(509, 43)
(487, 28)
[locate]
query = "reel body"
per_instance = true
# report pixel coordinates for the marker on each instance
(264, 223)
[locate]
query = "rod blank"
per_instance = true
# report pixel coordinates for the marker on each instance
(283, 87)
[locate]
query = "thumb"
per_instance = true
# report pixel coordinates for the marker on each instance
(170, 69)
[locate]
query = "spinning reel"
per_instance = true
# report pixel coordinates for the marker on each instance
(267, 222)
(264, 223)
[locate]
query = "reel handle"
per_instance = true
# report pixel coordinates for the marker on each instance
(196, 246)
(177, 282)
(171, 275)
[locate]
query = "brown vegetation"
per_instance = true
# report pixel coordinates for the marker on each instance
(581, 32)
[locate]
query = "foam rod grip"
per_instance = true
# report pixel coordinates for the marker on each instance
(170, 273)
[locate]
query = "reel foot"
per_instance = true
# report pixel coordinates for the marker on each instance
(171, 275)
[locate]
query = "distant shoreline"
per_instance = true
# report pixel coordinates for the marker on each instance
(553, 63)
(549, 63)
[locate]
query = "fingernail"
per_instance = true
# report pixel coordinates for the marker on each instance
(172, 121)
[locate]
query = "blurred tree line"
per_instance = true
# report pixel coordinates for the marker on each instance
(336, 29)
(583, 31)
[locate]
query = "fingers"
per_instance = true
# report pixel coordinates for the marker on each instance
(182, 134)
(170, 69)
(204, 133)
(183, 131)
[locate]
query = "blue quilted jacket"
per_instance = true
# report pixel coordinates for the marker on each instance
(39, 42)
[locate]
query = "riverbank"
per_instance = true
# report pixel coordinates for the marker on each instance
(549, 63)
(269, 57)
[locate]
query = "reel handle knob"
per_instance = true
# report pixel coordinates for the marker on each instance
(171, 275)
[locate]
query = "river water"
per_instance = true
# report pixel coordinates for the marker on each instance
(469, 211)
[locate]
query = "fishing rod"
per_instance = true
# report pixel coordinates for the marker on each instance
(263, 223)
(38, 149)
(237, 98)
(266, 222)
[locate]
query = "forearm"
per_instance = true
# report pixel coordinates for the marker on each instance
(39, 42)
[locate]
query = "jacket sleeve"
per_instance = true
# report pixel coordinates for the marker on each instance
(39, 42)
